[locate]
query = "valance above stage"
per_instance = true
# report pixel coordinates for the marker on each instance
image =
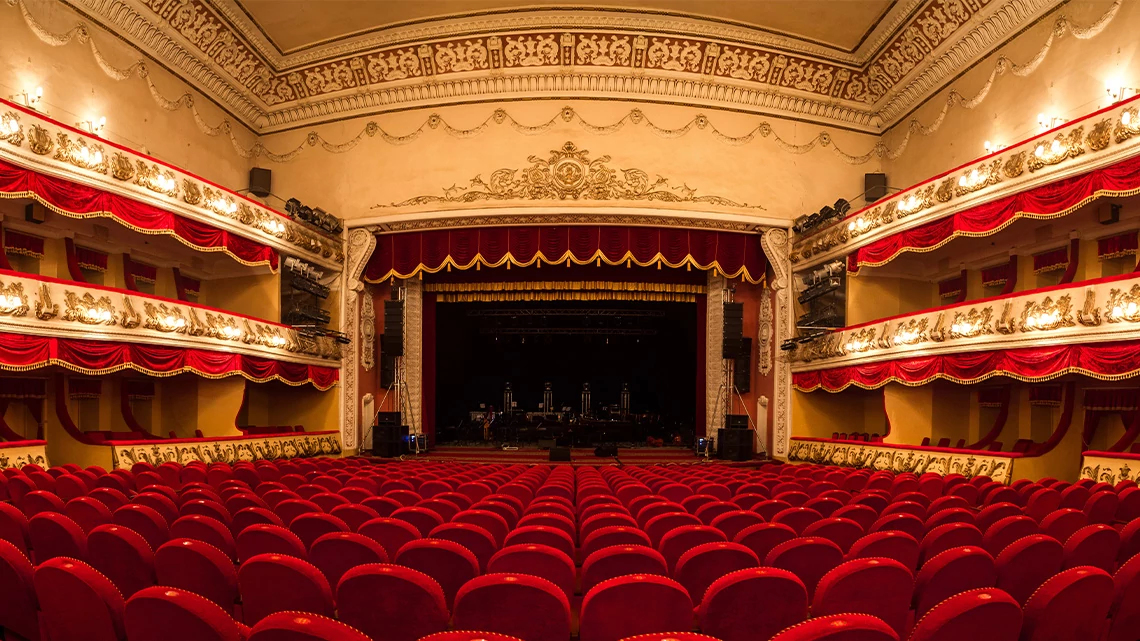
(21, 352)
(80, 201)
(1102, 361)
(1047, 201)
(405, 255)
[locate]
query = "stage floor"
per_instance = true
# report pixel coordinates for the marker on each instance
(578, 455)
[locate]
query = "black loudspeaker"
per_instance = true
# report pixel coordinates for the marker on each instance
(35, 213)
(734, 445)
(388, 438)
(733, 329)
(561, 454)
(392, 341)
(875, 186)
(387, 368)
(736, 421)
(260, 181)
(742, 367)
(607, 450)
(1106, 213)
(546, 443)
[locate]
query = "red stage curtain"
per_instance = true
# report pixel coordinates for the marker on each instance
(1051, 260)
(1105, 361)
(405, 255)
(72, 199)
(22, 352)
(1112, 399)
(1116, 246)
(85, 388)
(1047, 201)
(23, 244)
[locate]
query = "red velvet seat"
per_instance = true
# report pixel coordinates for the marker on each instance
(840, 627)
(290, 509)
(268, 539)
(69, 486)
(144, 520)
(40, 501)
(538, 560)
(611, 562)
(809, 558)
(952, 572)
(199, 568)
(1061, 524)
(753, 604)
(682, 539)
(770, 508)
(328, 500)
(298, 626)
(246, 517)
(160, 503)
(698, 568)
(994, 512)
(864, 515)
(474, 538)
(123, 556)
(977, 615)
(797, 518)
(1026, 563)
(14, 527)
(1096, 545)
(487, 520)
(354, 515)
(449, 563)
(19, 608)
(390, 533)
(207, 529)
(1125, 611)
(878, 587)
(77, 603)
(338, 552)
(840, 531)
(310, 527)
(518, 605)
(890, 544)
(733, 521)
(611, 536)
(170, 614)
(901, 522)
(634, 604)
(649, 510)
(278, 583)
(542, 535)
(391, 603)
(1101, 507)
(54, 535)
(948, 536)
(599, 521)
(212, 509)
(1071, 605)
(1041, 503)
(658, 526)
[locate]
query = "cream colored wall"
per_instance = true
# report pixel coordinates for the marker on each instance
(871, 297)
(218, 404)
(818, 414)
(305, 405)
(258, 295)
(20, 420)
(911, 410)
(1069, 83)
(178, 398)
(954, 416)
(76, 88)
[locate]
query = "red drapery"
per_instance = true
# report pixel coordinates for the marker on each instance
(1045, 395)
(79, 201)
(1051, 260)
(21, 352)
(23, 244)
(1047, 201)
(1116, 246)
(405, 255)
(996, 275)
(1104, 361)
(85, 387)
(91, 259)
(952, 287)
(992, 396)
(1112, 399)
(139, 388)
(143, 272)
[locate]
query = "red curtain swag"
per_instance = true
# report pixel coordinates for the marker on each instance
(996, 275)
(23, 244)
(91, 259)
(1104, 361)
(22, 353)
(1051, 260)
(1045, 395)
(1047, 201)
(405, 255)
(79, 201)
(85, 387)
(1112, 399)
(953, 288)
(1116, 246)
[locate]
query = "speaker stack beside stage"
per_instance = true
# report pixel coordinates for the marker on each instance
(389, 436)
(742, 367)
(392, 340)
(734, 441)
(560, 454)
(733, 329)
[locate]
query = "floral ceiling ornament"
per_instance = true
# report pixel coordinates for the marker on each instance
(570, 174)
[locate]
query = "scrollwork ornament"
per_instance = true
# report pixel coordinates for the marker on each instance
(367, 331)
(39, 140)
(1123, 305)
(1014, 165)
(1089, 316)
(10, 129)
(1047, 314)
(88, 310)
(12, 300)
(130, 318)
(1100, 136)
(45, 309)
(764, 335)
(1062, 147)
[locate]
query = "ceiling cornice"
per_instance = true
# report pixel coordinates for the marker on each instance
(916, 49)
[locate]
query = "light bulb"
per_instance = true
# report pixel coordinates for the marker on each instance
(1039, 151)
(98, 157)
(1126, 118)
(1056, 146)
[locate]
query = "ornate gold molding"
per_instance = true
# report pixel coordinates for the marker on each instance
(228, 449)
(880, 456)
(570, 174)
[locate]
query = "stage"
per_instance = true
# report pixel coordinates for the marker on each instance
(529, 455)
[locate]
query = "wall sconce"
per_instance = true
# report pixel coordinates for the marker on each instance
(93, 127)
(29, 99)
(1048, 122)
(992, 147)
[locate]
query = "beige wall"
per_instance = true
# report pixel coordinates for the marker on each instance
(871, 297)
(258, 295)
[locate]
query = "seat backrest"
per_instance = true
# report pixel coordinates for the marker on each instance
(486, 519)
(278, 583)
(1095, 545)
(635, 604)
(18, 604)
(764, 537)
(54, 535)
(1125, 612)
(14, 526)
(77, 603)
(839, 627)
(338, 552)
(840, 531)
(658, 526)
(753, 604)
(1073, 604)
(809, 558)
(611, 562)
(539, 560)
(123, 556)
(269, 539)
(206, 529)
(542, 535)
(1062, 523)
(952, 572)
(146, 521)
(698, 568)
(169, 614)
(682, 539)
(449, 563)
(310, 527)
(1026, 563)
(298, 626)
(945, 537)
(376, 599)
(518, 605)
(197, 567)
(878, 587)
(890, 544)
(986, 613)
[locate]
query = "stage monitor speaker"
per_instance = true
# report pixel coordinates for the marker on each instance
(260, 181)
(742, 367)
(547, 443)
(388, 439)
(875, 186)
(733, 329)
(734, 444)
(608, 450)
(388, 418)
(560, 454)
(736, 421)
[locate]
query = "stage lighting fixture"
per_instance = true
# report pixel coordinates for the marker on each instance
(788, 345)
(842, 206)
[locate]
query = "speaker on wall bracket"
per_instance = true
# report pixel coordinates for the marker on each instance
(733, 327)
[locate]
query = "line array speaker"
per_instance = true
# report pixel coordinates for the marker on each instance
(742, 367)
(387, 369)
(392, 340)
(733, 329)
